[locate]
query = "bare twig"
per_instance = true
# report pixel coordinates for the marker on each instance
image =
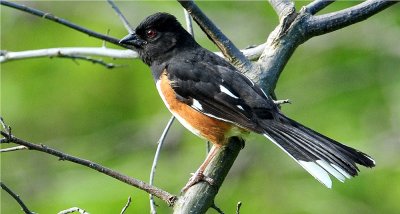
(72, 210)
(126, 205)
(121, 16)
(326, 23)
(228, 49)
(16, 197)
(15, 148)
(317, 5)
(238, 206)
(217, 208)
(56, 52)
(62, 21)
(154, 166)
(6, 127)
(162, 194)
(89, 59)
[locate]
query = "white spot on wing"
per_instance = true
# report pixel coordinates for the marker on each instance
(196, 105)
(226, 91)
(239, 106)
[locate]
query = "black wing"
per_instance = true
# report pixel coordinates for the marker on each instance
(215, 88)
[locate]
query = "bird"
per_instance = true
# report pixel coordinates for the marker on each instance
(214, 101)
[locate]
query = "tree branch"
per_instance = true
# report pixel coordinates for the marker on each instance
(12, 149)
(6, 56)
(72, 210)
(322, 24)
(282, 7)
(165, 196)
(317, 5)
(62, 21)
(296, 28)
(228, 49)
(200, 197)
(252, 53)
(154, 165)
(126, 205)
(16, 197)
(121, 16)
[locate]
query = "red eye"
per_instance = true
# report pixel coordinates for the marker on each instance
(150, 33)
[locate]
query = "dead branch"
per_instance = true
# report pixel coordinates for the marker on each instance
(72, 210)
(7, 56)
(326, 23)
(121, 16)
(16, 198)
(61, 21)
(162, 194)
(317, 5)
(126, 205)
(229, 50)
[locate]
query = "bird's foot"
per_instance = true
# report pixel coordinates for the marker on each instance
(197, 177)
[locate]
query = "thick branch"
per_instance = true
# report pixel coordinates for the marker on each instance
(228, 49)
(298, 28)
(165, 196)
(282, 7)
(200, 197)
(16, 197)
(321, 24)
(317, 5)
(64, 22)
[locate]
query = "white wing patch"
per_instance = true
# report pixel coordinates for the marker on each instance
(226, 91)
(196, 105)
(239, 106)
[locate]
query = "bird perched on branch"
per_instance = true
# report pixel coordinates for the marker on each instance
(215, 101)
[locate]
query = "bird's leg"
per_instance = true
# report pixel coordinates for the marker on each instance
(198, 175)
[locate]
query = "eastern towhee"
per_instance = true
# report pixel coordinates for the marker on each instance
(214, 101)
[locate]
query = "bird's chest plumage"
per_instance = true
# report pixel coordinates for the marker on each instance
(214, 130)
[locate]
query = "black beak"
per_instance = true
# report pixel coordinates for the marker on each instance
(132, 40)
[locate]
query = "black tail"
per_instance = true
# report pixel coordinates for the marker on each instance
(316, 153)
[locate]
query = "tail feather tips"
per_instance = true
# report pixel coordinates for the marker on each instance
(317, 154)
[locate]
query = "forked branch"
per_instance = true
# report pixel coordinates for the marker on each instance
(322, 24)
(229, 50)
(162, 194)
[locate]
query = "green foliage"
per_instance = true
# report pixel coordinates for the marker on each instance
(345, 84)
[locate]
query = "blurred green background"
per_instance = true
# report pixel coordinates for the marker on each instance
(345, 84)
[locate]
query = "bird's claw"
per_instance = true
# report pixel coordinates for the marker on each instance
(196, 178)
